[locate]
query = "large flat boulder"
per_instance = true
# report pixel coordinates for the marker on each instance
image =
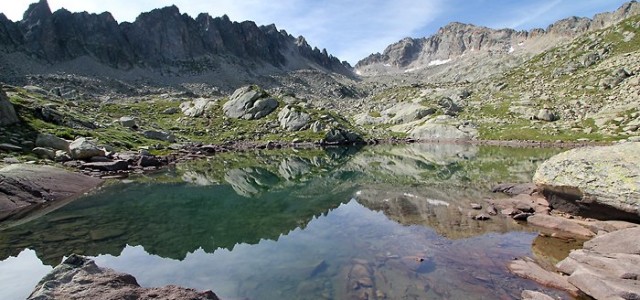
(599, 182)
(608, 267)
(23, 185)
(78, 277)
(249, 103)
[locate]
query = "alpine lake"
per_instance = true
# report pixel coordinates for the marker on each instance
(386, 221)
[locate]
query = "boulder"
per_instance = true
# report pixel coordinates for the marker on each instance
(599, 182)
(82, 148)
(51, 141)
(197, 107)
(449, 107)
(292, 119)
(170, 111)
(23, 185)
(533, 295)
(546, 114)
(128, 122)
(249, 103)
(8, 114)
(78, 277)
(160, 135)
(117, 165)
(342, 136)
(10, 147)
(47, 153)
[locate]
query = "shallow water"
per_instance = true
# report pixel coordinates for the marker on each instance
(389, 221)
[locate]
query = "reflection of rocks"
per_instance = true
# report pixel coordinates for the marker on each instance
(249, 182)
(446, 212)
(293, 167)
(80, 278)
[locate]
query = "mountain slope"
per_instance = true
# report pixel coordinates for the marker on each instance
(160, 46)
(457, 46)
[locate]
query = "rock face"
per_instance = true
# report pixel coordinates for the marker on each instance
(293, 119)
(78, 277)
(162, 38)
(24, 185)
(457, 39)
(249, 103)
(7, 112)
(601, 182)
(607, 267)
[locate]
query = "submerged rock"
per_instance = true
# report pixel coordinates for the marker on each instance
(599, 182)
(78, 277)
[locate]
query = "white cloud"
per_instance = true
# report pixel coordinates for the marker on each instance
(526, 14)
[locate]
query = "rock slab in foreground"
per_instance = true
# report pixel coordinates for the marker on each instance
(600, 182)
(80, 278)
(23, 185)
(608, 267)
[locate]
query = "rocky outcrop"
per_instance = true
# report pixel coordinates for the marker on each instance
(78, 277)
(47, 140)
(600, 182)
(8, 114)
(160, 40)
(23, 186)
(249, 103)
(443, 128)
(457, 39)
(159, 135)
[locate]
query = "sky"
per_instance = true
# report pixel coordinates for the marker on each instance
(349, 29)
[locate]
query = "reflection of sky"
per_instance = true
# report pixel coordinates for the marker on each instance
(19, 275)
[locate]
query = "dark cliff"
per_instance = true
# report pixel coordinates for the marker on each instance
(159, 39)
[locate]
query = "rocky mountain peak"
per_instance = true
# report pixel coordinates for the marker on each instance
(37, 11)
(162, 42)
(456, 40)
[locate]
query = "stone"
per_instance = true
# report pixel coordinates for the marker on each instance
(62, 156)
(620, 241)
(533, 295)
(149, 161)
(476, 206)
(564, 226)
(42, 152)
(8, 114)
(117, 165)
(170, 111)
(514, 188)
(293, 119)
(128, 122)
(342, 136)
(598, 182)
(10, 147)
(527, 268)
(159, 135)
(83, 148)
(25, 185)
(78, 277)
(249, 103)
(197, 107)
(47, 140)
(546, 114)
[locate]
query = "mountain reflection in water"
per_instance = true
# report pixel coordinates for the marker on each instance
(284, 224)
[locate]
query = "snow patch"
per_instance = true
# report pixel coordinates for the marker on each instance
(387, 65)
(521, 43)
(511, 49)
(438, 62)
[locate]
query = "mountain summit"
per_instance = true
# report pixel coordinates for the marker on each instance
(160, 43)
(456, 42)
